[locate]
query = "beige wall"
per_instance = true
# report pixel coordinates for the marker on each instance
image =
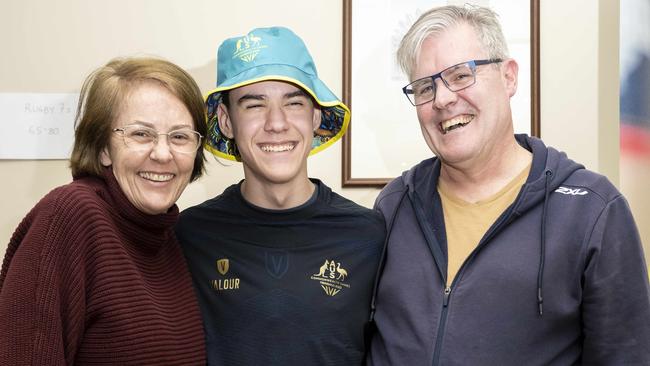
(579, 81)
(51, 46)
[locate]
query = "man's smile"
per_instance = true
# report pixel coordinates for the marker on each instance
(456, 122)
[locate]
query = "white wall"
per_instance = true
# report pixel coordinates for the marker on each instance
(51, 46)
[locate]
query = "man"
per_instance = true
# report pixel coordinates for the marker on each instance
(283, 266)
(501, 250)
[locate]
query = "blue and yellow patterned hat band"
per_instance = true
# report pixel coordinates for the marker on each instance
(274, 53)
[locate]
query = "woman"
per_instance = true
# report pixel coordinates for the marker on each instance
(94, 273)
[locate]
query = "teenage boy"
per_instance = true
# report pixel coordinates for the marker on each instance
(283, 266)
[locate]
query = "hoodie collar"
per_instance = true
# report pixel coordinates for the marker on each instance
(546, 161)
(423, 178)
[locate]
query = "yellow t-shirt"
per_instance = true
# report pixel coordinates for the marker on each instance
(466, 223)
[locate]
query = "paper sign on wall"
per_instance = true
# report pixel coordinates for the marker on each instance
(37, 125)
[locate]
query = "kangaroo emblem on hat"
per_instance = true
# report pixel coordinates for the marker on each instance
(247, 47)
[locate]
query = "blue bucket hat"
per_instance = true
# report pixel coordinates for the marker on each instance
(274, 53)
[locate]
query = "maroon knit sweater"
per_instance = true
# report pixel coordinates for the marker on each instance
(88, 279)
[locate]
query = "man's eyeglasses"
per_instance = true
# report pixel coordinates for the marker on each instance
(455, 78)
(184, 140)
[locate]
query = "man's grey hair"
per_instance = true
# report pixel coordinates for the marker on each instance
(437, 20)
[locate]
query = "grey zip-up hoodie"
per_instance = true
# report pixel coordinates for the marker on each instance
(558, 279)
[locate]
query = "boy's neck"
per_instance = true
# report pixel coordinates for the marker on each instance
(279, 196)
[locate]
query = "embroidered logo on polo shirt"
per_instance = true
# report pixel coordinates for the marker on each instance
(331, 277)
(228, 283)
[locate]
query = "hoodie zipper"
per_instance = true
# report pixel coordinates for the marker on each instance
(441, 327)
(436, 253)
(448, 289)
(446, 299)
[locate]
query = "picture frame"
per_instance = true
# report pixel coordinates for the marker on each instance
(388, 140)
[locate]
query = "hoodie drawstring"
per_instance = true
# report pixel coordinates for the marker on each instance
(542, 255)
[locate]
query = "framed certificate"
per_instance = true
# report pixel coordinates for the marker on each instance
(384, 138)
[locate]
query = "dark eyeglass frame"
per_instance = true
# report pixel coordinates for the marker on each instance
(472, 64)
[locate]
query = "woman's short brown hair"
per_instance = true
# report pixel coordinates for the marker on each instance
(100, 100)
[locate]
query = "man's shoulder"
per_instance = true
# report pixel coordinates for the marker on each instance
(584, 181)
(574, 177)
(415, 177)
(395, 187)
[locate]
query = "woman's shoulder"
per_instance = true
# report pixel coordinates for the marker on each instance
(59, 223)
(80, 198)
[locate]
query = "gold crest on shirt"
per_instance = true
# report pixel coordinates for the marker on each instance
(331, 276)
(224, 283)
(223, 265)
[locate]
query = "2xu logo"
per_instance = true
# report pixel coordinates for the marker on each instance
(570, 191)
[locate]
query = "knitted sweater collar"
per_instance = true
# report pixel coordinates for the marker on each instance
(148, 233)
(128, 211)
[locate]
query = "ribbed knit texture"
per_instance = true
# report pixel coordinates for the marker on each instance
(88, 279)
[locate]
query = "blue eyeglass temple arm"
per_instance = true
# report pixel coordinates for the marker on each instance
(485, 62)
